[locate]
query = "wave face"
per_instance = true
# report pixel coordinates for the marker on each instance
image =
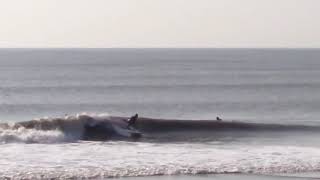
(104, 127)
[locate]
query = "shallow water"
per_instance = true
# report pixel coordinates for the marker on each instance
(261, 86)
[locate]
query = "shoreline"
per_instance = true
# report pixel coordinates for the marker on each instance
(232, 176)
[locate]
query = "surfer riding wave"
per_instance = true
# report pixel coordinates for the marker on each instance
(105, 127)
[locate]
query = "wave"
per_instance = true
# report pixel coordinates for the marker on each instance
(70, 128)
(103, 127)
(48, 130)
(23, 135)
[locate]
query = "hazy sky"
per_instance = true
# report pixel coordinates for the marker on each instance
(159, 23)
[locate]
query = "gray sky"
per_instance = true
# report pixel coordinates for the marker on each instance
(160, 23)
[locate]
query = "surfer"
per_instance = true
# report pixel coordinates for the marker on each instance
(132, 120)
(218, 119)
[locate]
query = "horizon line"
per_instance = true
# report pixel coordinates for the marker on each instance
(159, 47)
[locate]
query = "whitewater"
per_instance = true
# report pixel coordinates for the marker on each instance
(267, 99)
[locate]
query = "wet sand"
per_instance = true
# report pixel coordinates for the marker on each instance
(229, 177)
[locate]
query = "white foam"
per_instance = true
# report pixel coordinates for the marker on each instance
(120, 159)
(23, 135)
(94, 115)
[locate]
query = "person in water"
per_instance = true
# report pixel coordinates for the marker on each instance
(132, 120)
(219, 119)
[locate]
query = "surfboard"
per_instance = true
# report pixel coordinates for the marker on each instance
(133, 133)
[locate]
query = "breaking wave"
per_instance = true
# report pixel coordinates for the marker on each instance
(106, 127)
(23, 135)
(47, 130)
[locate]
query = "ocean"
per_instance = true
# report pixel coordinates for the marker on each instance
(268, 100)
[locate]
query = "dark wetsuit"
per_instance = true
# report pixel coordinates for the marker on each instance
(132, 120)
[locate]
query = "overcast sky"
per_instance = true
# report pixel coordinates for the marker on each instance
(160, 23)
